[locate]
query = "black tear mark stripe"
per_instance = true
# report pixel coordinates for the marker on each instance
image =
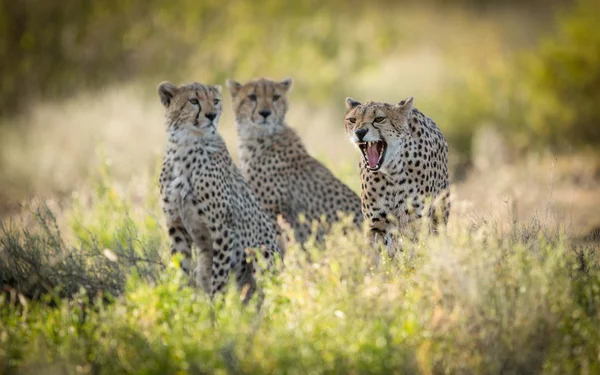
(208, 90)
(255, 103)
(199, 110)
(255, 106)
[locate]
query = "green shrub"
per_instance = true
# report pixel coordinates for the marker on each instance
(53, 48)
(92, 250)
(538, 99)
(565, 81)
(474, 301)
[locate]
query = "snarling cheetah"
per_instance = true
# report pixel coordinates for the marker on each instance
(206, 201)
(404, 166)
(286, 179)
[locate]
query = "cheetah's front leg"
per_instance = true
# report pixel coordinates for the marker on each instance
(204, 262)
(204, 258)
(387, 235)
(201, 236)
(181, 243)
(222, 253)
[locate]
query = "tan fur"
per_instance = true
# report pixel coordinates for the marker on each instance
(286, 179)
(206, 200)
(414, 169)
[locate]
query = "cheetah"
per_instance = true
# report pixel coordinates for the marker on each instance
(404, 166)
(287, 180)
(205, 199)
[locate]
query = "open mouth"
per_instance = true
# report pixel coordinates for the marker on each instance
(373, 153)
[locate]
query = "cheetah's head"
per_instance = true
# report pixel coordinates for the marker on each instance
(193, 107)
(378, 129)
(260, 104)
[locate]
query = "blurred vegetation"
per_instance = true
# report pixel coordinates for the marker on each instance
(54, 47)
(566, 77)
(546, 97)
(100, 249)
(478, 301)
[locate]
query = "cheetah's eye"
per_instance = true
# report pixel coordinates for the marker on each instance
(252, 97)
(194, 101)
(379, 119)
(216, 101)
(276, 97)
(352, 120)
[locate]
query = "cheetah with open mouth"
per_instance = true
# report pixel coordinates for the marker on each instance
(404, 166)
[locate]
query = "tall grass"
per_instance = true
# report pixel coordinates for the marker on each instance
(108, 300)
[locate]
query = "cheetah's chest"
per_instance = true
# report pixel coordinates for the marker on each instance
(181, 194)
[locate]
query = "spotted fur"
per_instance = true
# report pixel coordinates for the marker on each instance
(413, 171)
(286, 179)
(206, 201)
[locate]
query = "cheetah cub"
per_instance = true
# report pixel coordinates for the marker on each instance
(404, 166)
(206, 201)
(286, 179)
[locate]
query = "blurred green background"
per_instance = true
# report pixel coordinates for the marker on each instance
(77, 75)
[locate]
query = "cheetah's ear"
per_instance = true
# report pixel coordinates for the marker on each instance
(406, 105)
(166, 91)
(285, 85)
(351, 103)
(233, 86)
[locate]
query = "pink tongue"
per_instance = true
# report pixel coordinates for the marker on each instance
(372, 154)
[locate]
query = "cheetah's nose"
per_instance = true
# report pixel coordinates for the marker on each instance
(264, 113)
(360, 133)
(210, 115)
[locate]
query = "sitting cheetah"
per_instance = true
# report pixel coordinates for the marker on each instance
(286, 179)
(404, 165)
(206, 200)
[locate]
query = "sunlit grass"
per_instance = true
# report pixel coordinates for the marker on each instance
(474, 301)
(89, 285)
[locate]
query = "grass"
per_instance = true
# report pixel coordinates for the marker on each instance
(89, 287)
(92, 289)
